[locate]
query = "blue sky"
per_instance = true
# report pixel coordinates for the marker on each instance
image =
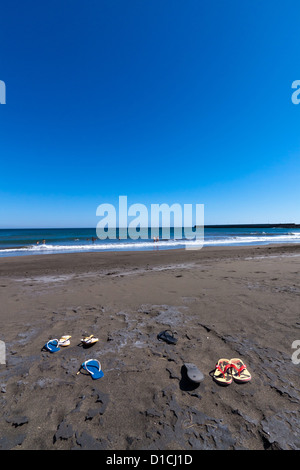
(161, 101)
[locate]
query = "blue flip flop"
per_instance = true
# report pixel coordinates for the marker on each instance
(52, 345)
(93, 367)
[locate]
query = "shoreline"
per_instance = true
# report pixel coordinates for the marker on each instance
(219, 302)
(94, 259)
(20, 242)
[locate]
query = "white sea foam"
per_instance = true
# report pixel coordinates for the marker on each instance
(292, 237)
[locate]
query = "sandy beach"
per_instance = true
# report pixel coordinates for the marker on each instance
(219, 303)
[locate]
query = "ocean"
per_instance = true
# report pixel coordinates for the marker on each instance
(20, 242)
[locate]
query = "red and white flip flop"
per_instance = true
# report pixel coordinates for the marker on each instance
(239, 371)
(222, 373)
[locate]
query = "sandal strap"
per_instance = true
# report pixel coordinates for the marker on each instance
(239, 370)
(228, 366)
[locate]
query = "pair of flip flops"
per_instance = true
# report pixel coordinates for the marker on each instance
(93, 367)
(228, 370)
(54, 344)
(89, 340)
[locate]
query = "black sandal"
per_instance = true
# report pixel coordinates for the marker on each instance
(165, 336)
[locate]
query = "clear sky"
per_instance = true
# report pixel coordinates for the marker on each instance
(164, 101)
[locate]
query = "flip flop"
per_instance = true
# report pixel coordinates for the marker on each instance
(222, 373)
(93, 367)
(89, 340)
(239, 371)
(52, 345)
(193, 373)
(167, 337)
(64, 340)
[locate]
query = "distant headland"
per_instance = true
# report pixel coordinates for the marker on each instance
(253, 226)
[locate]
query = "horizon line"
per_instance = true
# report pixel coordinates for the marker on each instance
(229, 225)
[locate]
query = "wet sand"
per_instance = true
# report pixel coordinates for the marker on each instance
(220, 303)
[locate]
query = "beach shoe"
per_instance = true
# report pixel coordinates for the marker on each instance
(167, 336)
(193, 373)
(93, 367)
(222, 373)
(89, 340)
(239, 371)
(52, 345)
(64, 340)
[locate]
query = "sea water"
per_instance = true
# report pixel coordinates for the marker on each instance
(17, 242)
